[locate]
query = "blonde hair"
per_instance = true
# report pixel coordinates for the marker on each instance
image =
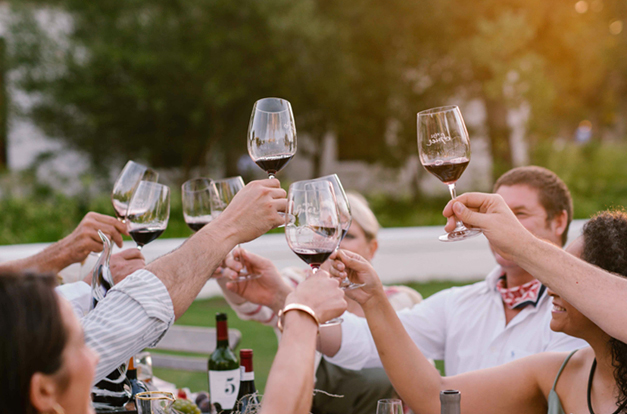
(362, 215)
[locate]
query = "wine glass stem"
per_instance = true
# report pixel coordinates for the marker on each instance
(458, 223)
(271, 175)
(139, 247)
(451, 189)
(315, 269)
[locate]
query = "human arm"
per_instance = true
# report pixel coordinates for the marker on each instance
(290, 383)
(485, 391)
(73, 248)
(251, 213)
(598, 294)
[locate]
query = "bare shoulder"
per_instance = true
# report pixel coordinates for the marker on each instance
(545, 367)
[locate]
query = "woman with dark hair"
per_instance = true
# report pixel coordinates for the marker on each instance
(48, 368)
(592, 379)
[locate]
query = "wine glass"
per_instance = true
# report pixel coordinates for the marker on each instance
(155, 402)
(444, 148)
(196, 195)
(312, 224)
(391, 406)
(346, 218)
(224, 190)
(272, 134)
(126, 184)
(148, 212)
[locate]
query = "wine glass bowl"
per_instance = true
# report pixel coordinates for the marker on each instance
(148, 212)
(272, 134)
(345, 217)
(223, 193)
(444, 149)
(312, 229)
(196, 196)
(389, 406)
(126, 184)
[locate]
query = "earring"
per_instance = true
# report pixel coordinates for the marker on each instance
(58, 409)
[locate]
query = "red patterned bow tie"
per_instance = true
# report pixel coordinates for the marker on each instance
(520, 296)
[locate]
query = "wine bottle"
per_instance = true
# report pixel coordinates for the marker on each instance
(247, 396)
(137, 386)
(223, 370)
(450, 402)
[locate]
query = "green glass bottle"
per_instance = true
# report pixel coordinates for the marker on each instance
(224, 372)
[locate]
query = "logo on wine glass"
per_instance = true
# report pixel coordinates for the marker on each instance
(438, 137)
(307, 208)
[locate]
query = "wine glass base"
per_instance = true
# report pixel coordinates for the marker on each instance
(332, 322)
(350, 285)
(458, 235)
(245, 278)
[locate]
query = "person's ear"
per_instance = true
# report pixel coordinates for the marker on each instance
(43, 393)
(373, 246)
(559, 223)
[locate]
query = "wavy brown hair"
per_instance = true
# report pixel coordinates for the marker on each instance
(32, 336)
(605, 246)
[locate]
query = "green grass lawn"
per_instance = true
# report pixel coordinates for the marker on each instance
(254, 335)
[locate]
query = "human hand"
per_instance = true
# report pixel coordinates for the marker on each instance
(267, 290)
(492, 215)
(322, 294)
(254, 210)
(125, 263)
(84, 239)
(345, 263)
(122, 264)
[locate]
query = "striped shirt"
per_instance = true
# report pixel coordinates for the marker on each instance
(134, 315)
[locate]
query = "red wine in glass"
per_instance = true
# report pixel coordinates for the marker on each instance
(273, 164)
(313, 257)
(148, 212)
(196, 198)
(144, 236)
(448, 171)
(197, 223)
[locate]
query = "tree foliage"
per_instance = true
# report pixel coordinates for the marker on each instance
(173, 81)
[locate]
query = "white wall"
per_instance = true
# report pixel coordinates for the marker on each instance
(405, 255)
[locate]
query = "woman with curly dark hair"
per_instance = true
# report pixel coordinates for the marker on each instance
(592, 379)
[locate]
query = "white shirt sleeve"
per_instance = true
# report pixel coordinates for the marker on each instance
(425, 323)
(79, 296)
(134, 315)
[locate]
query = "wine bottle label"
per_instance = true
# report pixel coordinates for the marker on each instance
(246, 376)
(223, 387)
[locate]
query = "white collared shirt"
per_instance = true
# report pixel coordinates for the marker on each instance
(464, 326)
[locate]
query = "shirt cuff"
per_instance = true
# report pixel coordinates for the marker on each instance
(79, 296)
(147, 289)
